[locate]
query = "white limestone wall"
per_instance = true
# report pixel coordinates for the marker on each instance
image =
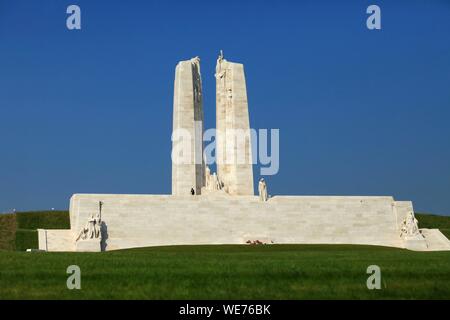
(153, 220)
(56, 240)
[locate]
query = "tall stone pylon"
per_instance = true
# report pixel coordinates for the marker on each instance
(188, 167)
(233, 135)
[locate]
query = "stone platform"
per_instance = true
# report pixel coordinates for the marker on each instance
(157, 220)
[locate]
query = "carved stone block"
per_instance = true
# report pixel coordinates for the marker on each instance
(91, 245)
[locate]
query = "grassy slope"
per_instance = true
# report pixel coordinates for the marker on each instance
(228, 272)
(43, 220)
(7, 231)
(435, 222)
(27, 223)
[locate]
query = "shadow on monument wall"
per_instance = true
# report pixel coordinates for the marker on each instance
(104, 231)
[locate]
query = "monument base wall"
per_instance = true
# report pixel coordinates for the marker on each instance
(56, 240)
(156, 220)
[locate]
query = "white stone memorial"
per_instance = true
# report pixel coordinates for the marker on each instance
(224, 209)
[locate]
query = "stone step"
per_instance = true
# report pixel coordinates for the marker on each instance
(436, 241)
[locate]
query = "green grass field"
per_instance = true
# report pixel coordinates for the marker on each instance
(228, 272)
(218, 272)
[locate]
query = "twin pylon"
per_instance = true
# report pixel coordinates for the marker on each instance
(233, 139)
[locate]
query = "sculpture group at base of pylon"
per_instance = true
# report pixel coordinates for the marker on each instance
(212, 181)
(410, 226)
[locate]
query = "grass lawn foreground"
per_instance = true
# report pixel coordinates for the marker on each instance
(227, 272)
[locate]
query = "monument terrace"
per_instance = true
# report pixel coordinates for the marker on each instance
(221, 207)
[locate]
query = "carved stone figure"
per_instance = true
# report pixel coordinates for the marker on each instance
(83, 232)
(97, 226)
(410, 226)
(207, 177)
(88, 231)
(216, 182)
(262, 189)
(92, 228)
(220, 72)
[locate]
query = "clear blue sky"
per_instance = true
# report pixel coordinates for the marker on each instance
(360, 112)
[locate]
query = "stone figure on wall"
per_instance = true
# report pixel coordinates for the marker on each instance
(262, 189)
(212, 181)
(83, 232)
(217, 184)
(88, 231)
(97, 226)
(221, 76)
(207, 178)
(410, 226)
(92, 228)
(196, 60)
(220, 73)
